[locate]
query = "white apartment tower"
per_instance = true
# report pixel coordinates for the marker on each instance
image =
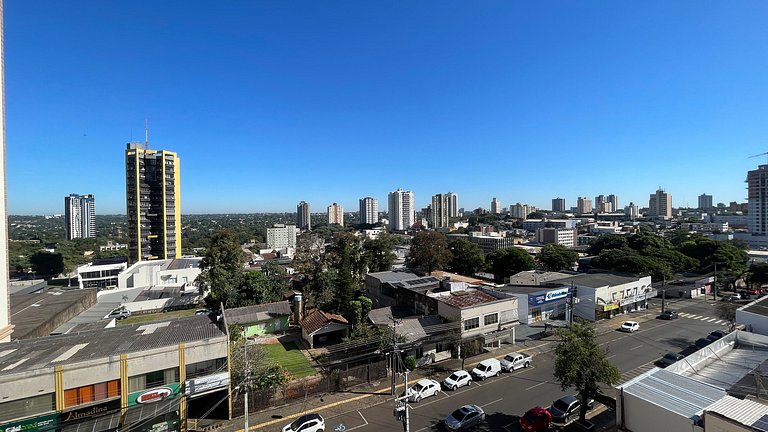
(369, 210)
(5, 305)
(281, 236)
(453, 204)
(439, 212)
(660, 204)
(614, 201)
(402, 213)
(632, 211)
(335, 214)
(80, 216)
(757, 200)
(495, 206)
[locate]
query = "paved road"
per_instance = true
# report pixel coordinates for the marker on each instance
(510, 395)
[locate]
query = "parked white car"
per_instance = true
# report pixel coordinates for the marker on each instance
(306, 423)
(422, 389)
(486, 369)
(457, 379)
(630, 326)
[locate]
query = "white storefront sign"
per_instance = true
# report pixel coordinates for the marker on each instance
(203, 384)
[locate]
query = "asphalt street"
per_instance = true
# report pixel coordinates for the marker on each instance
(508, 396)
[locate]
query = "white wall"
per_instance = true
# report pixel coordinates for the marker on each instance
(758, 323)
(643, 416)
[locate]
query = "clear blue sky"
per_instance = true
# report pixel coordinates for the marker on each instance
(272, 102)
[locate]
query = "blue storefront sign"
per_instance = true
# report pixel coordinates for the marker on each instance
(552, 296)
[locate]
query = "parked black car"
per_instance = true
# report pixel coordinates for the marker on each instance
(744, 294)
(668, 315)
(702, 342)
(717, 334)
(566, 409)
(668, 359)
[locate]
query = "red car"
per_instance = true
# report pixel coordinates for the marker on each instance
(755, 291)
(536, 419)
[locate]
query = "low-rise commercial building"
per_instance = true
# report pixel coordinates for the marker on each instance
(141, 377)
(605, 295)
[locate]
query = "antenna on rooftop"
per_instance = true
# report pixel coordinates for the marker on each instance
(146, 133)
(761, 154)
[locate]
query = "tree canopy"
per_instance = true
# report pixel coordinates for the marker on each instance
(467, 257)
(222, 270)
(429, 252)
(554, 257)
(581, 363)
(509, 261)
(47, 264)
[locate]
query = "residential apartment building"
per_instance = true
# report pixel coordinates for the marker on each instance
(153, 203)
(558, 205)
(495, 206)
(335, 214)
(303, 218)
(80, 216)
(613, 200)
(532, 225)
(369, 211)
(281, 236)
(567, 237)
(583, 205)
(521, 211)
(757, 200)
(438, 216)
(632, 211)
(705, 202)
(453, 204)
(488, 242)
(660, 204)
(402, 210)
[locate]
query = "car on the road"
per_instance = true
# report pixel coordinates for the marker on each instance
(731, 298)
(457, 379)
(669, 315)
(203, 312)
(306, 423)
(702, 342)
(744, 294)
(486, 369)
(630, 326)
(464, 418)
(536, 419)
(567, 409)
(422, 389)
(119, 314)
(716, 335)
(668, 359)
(756, 291)
(514, 361)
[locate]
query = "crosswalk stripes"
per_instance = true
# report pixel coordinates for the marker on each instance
(703, 318)
(628, 375)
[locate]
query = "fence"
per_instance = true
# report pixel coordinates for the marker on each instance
(341, 377)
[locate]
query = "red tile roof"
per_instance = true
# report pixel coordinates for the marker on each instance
(317, 319)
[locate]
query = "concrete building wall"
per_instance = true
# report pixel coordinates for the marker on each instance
(643, 416)
(756, 322)
(86, 373)
(715, 423)
(28, 384)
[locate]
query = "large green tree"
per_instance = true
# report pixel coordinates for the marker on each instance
(467, 257)
(758, 274)
(627, 260)
(506, 262)
(222, 270)
(47, 264)
(581, 363)
(379, 253)
(608, 241)
(555, 257)
(265, 286)
(429, 252)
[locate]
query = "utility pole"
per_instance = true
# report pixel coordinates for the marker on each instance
(714, 285)
(407, 424)
(395, 352)
(247, 377)
(663, 293)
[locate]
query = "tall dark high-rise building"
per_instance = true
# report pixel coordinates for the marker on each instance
(153, 203)
(705, 202)
(303, 219)
(660, 204)
(558, 204)
(80, 216)
(438, 214)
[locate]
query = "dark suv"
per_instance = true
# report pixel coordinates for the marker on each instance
(668, 359)
(566, 409)
(668, 315)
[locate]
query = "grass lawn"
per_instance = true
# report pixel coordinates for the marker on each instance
(290, 357)
(162, 316)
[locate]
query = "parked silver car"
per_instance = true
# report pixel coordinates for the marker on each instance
(464, 418)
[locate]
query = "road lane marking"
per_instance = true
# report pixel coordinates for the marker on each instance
(639, 346)
(492, 402)
(541, 383)
(611, 356)
(712, 319)
(359, 426)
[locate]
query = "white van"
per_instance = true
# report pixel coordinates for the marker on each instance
(486, 368)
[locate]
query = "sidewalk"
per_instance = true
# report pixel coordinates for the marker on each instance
(378, 392)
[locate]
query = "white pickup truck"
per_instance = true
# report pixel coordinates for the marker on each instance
(514, 361)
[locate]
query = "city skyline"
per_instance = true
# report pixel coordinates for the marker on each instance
(678, 87)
